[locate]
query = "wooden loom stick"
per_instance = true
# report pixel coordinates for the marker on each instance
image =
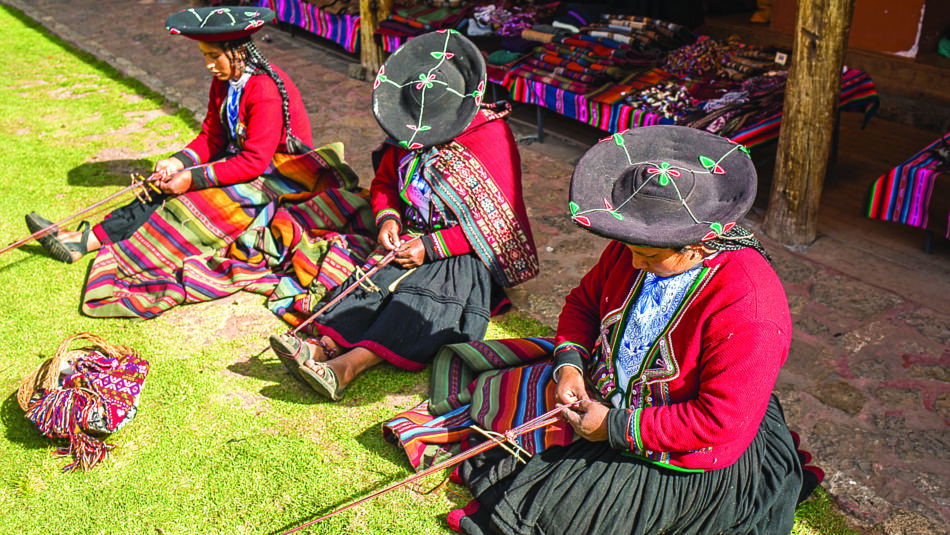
(385, 260)
(91, 209)
(542, 421)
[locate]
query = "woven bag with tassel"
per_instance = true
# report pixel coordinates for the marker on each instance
(83, 395)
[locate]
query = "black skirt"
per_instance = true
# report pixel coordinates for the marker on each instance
(589, 487)
(405, 317)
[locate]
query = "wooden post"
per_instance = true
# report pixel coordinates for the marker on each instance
(371, 54)
(811, 98)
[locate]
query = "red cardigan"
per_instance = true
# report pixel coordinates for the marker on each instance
(707, 380)
(260, 113)
(491, 141)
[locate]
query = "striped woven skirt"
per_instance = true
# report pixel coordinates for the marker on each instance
(491, 385)
(291, 234)
(571, 485)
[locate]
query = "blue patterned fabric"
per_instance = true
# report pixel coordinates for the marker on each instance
(656, 304)
(235, 89)
(417, 193)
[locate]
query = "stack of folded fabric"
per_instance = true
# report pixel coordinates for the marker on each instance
(711, 58)
(337, 7)
(748, 103)
(641, 33)
(511, 52)
(507, 18)
(407, 22)
(622, 91)
(584, 63)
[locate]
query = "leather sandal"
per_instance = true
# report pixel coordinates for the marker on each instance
(57, 248)
(327, 385)
(35, 223)
(291, 351)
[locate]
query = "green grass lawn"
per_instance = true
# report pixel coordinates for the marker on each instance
(225, 440)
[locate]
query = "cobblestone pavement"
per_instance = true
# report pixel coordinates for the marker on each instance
(867, 383)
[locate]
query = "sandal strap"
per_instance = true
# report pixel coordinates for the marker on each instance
(82, 246)
(328, 351)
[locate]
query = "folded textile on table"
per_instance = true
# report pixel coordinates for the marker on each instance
(529, 72)
(617, 92)
(641, 33)
(337, 7)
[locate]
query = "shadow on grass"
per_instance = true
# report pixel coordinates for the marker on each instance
(108, 173)
(369, 387)
(372, 440)
(33, 250)
(18, 428)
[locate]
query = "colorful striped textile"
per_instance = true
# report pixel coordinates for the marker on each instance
(210, 243)
(493, 384)
(342, 29)
(615, 118)
(857, 94)
(391, 43)
(905, 193)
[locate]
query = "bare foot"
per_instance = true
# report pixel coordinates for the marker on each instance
(333, 349)
(348, 365)
(321, 351)
(74, 236)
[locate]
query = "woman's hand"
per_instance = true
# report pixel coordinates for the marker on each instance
(410, 254)
(167, 167)
(570, 386)
(589, 419)
(389, 235)
(177, 183)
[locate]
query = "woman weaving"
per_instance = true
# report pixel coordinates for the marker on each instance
(210, 190)
(665, 357)
(447, 199)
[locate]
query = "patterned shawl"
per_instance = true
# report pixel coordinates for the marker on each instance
(477, 176)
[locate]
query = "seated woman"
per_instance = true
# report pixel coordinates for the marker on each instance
(212, 189)
(665, 358)
(447, 199)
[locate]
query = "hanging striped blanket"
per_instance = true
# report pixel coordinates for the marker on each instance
(857, 94)
(495, 385)
(906, 194)
(299, 228)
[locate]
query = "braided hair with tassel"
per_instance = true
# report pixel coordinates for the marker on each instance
(246, 57)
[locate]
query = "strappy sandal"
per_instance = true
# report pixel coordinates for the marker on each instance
(35, 223)
(327, 384)
(293, 352)
(57, 248)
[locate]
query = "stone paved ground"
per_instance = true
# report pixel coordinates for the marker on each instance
(867, 383)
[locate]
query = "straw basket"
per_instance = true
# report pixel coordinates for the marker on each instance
(46, 376)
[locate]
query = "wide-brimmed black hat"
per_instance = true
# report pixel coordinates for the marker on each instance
(218, 23)
(662, 186)
(429, 90)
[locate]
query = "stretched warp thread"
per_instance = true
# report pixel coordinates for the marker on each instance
(385, 260)
(509, 436)
(90, 210)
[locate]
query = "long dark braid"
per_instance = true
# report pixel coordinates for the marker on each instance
(737, 238)
(245, 55)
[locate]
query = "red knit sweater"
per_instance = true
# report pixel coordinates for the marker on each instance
(492, 141)
(260, 113)
(728, 344)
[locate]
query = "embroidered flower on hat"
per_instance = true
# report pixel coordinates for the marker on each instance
(641, 195)
(430, 89)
